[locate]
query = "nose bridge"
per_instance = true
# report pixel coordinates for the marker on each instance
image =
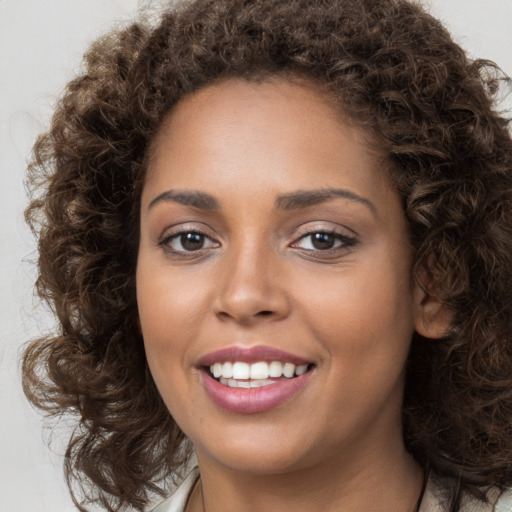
(251, 288)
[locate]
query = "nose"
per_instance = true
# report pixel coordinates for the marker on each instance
(252, 288)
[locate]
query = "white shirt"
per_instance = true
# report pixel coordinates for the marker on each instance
(430, 503)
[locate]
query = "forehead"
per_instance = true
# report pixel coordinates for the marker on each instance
(277, 131)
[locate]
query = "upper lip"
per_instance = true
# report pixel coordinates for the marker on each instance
(251, 355)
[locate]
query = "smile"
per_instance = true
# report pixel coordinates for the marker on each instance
(260, 371)
(238, 382)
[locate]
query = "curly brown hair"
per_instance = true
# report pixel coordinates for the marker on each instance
(391, 67)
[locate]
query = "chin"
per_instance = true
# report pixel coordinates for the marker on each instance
(257, 455)
(261, 463)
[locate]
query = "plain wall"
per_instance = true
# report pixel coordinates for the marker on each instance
(41, 43)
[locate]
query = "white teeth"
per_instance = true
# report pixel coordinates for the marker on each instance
(240, 370)
(233, 383)
(259, 371)
(227, 370)
(299, 370)
(275, 369)
(289, 370)
(217, 370)
(260, 383)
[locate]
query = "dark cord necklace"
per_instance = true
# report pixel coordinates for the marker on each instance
(422, 492)
(416, 508)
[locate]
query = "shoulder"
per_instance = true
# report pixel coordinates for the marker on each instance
(498, 502)
(504, 503)
(178, 500)
(433, 501)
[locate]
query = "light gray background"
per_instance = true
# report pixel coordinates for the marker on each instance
(41, 42)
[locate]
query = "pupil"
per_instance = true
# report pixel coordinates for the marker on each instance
(192, 241)
(322, 241)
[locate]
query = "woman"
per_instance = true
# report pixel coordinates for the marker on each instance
(277, 236)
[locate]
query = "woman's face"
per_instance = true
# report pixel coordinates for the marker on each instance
(272, 244)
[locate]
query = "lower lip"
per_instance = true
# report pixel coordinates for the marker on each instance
(253, 400)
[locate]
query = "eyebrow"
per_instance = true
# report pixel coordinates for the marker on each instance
(194, 198)
(290, 201)
(304, 198)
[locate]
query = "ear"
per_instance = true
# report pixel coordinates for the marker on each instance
(432, 319)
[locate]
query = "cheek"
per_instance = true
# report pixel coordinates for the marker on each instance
(162, 319)
(359, 304)
(169, 301)
(168, 309)
(363, 315)
(174, 303)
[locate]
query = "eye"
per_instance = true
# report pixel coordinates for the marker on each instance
(324, 241)
(187, 241)
(319, 241)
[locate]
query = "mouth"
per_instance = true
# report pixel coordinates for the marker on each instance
(239, 374)
(253, 380)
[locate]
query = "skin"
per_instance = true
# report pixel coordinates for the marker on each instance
(258, 280)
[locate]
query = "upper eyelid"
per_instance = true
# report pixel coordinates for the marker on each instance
(176, 234)
(347, 239)
(337, 229)
(185, 227)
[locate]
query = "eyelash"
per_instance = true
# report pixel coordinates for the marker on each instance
(342, 242)
(345, 242)
(166, 241)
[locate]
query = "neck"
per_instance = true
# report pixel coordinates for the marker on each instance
(371, 482)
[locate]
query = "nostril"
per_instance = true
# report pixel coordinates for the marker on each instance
(265, 313)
